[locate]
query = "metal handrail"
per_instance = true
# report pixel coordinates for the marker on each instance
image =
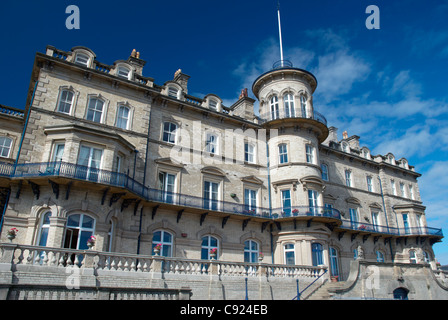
(299, 293)
(122, 180)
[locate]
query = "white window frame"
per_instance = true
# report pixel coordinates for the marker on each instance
(250, 199)
(411, 192)
(169, 132)
(66, 102)
(209, 246)
(348, 178)
(251, 254)
(288, 102)
(393, 187)
(83, 57)
(309, 149)
(313, 201)
(282, 153)
(95, 110)
(121, 118)
(123, 72)
(211, 145)
(6, 144)
(173, 92)
(303, 102)
(209, 202)
(249, 152)
(81, 228)
(165, 244)
(289, 248)
(58, 151)
(369, 181)
(273, 106)
(403, 190)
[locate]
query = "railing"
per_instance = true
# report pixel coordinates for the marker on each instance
(11, 111)
(109, 261)
(75, 171)
(373, 228)
(296, 113)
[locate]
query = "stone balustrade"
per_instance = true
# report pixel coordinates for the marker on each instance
(40, 272)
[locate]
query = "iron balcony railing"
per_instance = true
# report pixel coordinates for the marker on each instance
(121, 180)
(295, 113)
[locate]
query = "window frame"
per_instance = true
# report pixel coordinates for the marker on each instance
(348, 178)
(169, 245)
(209, 246)
(249, 152)
(212, 146)
(251, 253)
(309, 152)
(282, 154)
(288, 105)
(169, 132)
(66, 102)
(120, 117)
(325, 175)
(81, 229)
(274, 108)
(85, 64)
(288, 250)
(95, 111)
(119, 73)
(3, 147)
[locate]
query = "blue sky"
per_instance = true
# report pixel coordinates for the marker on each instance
(389, 86)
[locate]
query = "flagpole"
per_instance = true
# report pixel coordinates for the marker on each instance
(280, 33)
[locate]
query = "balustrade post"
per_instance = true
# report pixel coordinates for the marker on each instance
(6, 262)
(262, 270)
(7, 253)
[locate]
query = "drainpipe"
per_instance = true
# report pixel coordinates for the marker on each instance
(18, 154)
(270, 201)
(144, 182)
(25, 126)
(387, 223)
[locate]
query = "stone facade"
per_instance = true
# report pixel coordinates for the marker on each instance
(107, 152)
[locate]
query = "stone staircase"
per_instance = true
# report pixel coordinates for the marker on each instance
(322, 292)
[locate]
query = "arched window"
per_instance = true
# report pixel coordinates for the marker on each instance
(44, 229)
(79, 228)
(165, 239)
(289, 254)
(5, 147)
(65, 102)
(274, 108)
(209, 243)
(123, 72)
(173, 92)
(82, 59)
(123, 117)
(251, 251)
(95, 110)
(303, 106)
(316, 251)
(288, 100)
(334, 262)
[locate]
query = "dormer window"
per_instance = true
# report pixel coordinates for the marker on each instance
(345, 147)
(213, 104)
(82, 59)
(172, 92)
(123, 72)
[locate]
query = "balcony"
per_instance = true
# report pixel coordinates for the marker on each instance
(296, 114)
(41, 172)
